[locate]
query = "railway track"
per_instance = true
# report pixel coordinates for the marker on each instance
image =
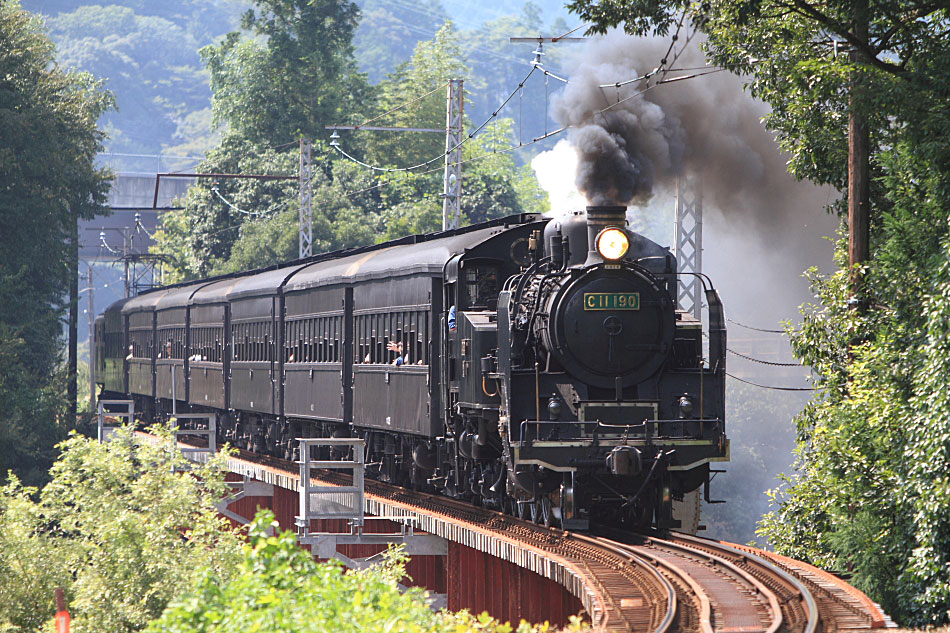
(731, 594)
(637, 582)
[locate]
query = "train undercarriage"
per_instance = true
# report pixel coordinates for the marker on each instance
(462, 465)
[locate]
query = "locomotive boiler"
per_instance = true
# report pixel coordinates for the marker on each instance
(537, 366)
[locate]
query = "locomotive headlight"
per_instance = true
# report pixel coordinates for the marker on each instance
(612, 243)
(554, 408)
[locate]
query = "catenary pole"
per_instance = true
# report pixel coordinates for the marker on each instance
(452, 182)
(305, 240)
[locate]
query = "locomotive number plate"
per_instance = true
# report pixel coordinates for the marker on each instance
(611, 301)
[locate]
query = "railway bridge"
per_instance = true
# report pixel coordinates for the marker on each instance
(477, 559)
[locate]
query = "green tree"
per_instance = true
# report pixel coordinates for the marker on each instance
(239, 224)
(120, 527)
(295, 75)
(232, 225)
(280, 589)
(493, 185)
(795, 54)
(199, 236)
(48, 144)
(291, 592)
(868, 497)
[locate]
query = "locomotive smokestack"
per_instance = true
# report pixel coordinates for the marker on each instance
(598, 219)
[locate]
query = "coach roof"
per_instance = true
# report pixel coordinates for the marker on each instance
(426, 258)
(266, 283)
(144, 302)
(214, 291)
(177, 297)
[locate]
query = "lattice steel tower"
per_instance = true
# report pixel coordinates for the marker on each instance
(689, 243)
(305, 240)
(452, 187)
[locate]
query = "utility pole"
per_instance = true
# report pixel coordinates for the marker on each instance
(126, 243)
(452, 182)
(305, 240)
(688, 228)
(71, 356)
(92, 340)
(859, 192)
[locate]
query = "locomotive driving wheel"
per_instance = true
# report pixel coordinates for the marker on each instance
(545, 512)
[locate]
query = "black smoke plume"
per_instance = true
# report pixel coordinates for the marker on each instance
(707, 126)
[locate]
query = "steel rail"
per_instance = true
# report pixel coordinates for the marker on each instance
(811, 606)
(830, 591)
(666, 623)
(764, 591)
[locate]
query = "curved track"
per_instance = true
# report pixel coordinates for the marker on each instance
(631, 582)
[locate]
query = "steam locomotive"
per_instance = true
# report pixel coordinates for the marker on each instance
(536, 366)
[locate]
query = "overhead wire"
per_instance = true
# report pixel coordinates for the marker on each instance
(659, 67)
(469, 136)
(758, 360)
(536, 65)
(772, 387)
(402, 105)
(576, 28)
(258, 214)
(473, 25)
(463, 161)
(763, 362)
(525, 144)
(756, 329)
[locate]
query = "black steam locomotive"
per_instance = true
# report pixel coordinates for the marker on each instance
(536, 366)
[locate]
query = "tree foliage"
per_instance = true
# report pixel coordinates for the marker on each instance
(118, 528)
(293, 77)
(868, 497)
(48, 142)
(280, 589)
(807, 59)
(234, 225)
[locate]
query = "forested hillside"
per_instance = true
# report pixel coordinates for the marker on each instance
(147, 54)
